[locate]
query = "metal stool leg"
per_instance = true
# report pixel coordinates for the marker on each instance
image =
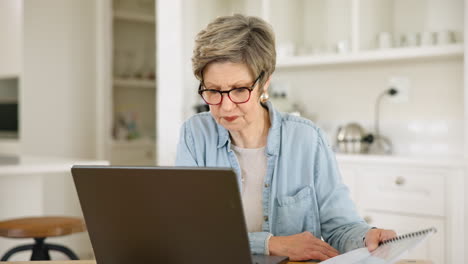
(16, 250)
(40, 251)
(64, 250)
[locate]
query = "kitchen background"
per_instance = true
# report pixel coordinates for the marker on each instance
(112, 80)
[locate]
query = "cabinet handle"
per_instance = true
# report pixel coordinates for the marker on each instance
(368, 219)
(400, 181)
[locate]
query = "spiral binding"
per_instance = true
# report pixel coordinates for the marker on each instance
(410, 235)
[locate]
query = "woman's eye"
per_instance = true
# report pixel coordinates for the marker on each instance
(211, 92)
(239, 90)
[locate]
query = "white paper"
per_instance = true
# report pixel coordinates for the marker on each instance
(387, 253)
(353, 256)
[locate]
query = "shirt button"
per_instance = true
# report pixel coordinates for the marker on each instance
(265, 218)
(267, 185)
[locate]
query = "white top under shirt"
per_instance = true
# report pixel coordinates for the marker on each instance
(253, 164)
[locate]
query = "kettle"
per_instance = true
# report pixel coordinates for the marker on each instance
(353, 139)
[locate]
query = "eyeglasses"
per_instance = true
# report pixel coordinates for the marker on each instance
(238, 95)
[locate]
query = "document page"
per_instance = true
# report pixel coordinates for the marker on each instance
(351, 257)
(388, 252)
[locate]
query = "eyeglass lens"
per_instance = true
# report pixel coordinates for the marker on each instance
(237, 95)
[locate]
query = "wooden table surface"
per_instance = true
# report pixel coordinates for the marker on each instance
(89, 262)
(94, 262)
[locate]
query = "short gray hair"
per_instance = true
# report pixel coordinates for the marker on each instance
(238, 39)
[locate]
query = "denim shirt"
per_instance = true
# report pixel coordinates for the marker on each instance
(303, 190)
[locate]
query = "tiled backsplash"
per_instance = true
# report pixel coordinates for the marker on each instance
(412, 138)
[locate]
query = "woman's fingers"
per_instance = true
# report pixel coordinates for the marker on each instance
(301, 246)
(328, 250)
(317, 255)
(388, 234)
(372, 239)
(375, 236)
(326, 246)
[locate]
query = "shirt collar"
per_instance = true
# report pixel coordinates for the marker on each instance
(273, 139)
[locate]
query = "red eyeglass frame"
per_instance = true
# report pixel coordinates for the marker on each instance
(250, 89)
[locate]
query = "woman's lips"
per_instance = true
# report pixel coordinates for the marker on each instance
(230, 118)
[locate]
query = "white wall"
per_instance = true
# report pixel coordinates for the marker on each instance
(170, 79)
(10, 37)
(57, 90)
(466, 134)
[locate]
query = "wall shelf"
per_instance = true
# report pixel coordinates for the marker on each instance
(133, 17)
(136, 143)
(454, 50)
(8, 76)
(134, 83)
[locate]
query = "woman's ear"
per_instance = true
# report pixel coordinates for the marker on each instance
(264, 95)
(266, 85)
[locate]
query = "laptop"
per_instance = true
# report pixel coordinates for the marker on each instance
(166, 215)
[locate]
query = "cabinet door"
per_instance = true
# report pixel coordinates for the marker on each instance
(432, 249)
(10, 37)
(412, 191)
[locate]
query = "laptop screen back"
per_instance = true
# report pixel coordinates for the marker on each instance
(162, 215)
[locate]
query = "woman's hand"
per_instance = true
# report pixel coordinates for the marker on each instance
(303, 246)
(375, 236)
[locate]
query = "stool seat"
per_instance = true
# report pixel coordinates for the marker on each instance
(41, 227)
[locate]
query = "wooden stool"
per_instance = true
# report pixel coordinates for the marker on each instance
(39, 228)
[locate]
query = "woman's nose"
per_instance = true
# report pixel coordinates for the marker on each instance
(226, 103)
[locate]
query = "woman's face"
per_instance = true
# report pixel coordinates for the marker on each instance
(225, 76)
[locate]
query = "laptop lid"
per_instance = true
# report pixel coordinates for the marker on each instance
(163, 214)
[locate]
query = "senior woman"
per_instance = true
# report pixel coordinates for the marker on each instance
(290, 185)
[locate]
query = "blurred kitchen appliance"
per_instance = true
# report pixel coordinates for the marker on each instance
(353, 139)
(9, 120)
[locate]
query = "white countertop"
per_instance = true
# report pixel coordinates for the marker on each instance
(41, 164)
(436, 161)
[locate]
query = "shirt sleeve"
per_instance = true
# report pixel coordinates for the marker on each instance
(185, 148)
(342, 227)
(258, 242)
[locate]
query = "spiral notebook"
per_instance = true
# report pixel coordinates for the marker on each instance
(388, 252)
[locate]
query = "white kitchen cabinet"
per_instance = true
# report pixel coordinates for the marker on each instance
(407, 195)
(402, 190)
